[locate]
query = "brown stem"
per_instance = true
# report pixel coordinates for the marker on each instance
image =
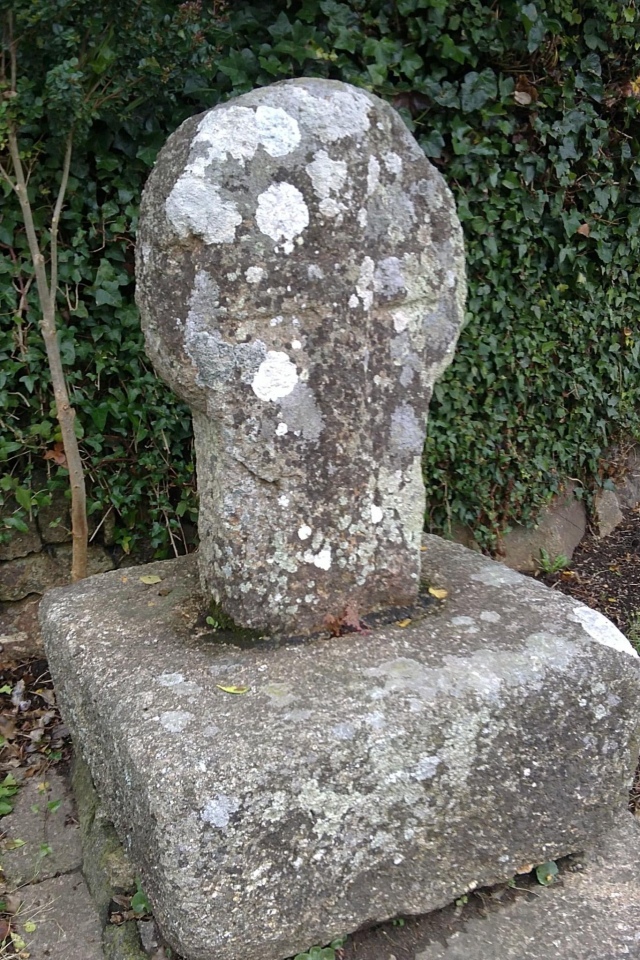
(47, 291)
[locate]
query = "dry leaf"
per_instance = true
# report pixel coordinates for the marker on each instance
(14, 845)
(584, 230)
(57, 454)
(525, 868)
(439, 593)
(403, 623)
(232, 689)
(7, 728)
(525, 92)
(150, 578)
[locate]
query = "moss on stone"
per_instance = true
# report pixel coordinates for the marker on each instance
(122, 942)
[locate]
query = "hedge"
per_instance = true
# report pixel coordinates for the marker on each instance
(528, 109)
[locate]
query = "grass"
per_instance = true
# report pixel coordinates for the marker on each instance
(633, 630)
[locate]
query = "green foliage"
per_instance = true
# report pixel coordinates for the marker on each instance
(322, 953)
(139, 902)
(547, 873)
(549, 564)
(528, 109)
(633, 630)
(8, 790)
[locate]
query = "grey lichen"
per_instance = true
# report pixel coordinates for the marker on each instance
(301, 284)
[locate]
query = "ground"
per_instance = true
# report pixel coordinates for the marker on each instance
(604, 573)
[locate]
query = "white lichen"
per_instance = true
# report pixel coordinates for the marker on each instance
(365, 283)
(321, 559)
(282, 213)
(195, 208)
(393, 163)
(373, 175)
(278, 132)
(237, 132)
(275, 377)
(327, 176)
(175, 721)
(344, 113)
(219, 810)
(255, 274)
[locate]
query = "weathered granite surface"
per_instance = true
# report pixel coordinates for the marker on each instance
(300, 277)
(592, 914)
(358, 777)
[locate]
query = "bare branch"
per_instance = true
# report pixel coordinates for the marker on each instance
(25, 206)
(13, 54)
(55, 220)
(5, 176)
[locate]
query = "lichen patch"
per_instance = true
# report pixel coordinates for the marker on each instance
(282, 213)
(275, 377)
(196, 208)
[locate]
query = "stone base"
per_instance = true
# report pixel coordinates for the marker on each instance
(358, 777)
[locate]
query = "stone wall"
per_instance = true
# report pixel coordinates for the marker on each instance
(33, 562)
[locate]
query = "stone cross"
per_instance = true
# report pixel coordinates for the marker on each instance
(300, 275)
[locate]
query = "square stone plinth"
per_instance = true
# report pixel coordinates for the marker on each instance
(358, 777)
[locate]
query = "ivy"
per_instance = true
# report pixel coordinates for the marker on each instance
(530, 111)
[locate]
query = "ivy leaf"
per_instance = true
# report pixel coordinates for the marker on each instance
(23, 496)
(547, 873)
(477, 89)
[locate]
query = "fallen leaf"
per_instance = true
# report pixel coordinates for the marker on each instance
(12, 903)
(522, 97)
(18, 942)
(547, 873)
(439, 593)
(15, 844)
(7, 728)
(232, 689)
(403, 623)
(584, 230)
(29, 926)
(4, 929)
(525, 868)
(48, 696)
(150, 578)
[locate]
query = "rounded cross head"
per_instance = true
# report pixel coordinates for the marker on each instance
(300, 275)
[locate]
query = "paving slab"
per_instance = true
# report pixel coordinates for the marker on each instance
(593, 914)
(44, 826)
(65, 919)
